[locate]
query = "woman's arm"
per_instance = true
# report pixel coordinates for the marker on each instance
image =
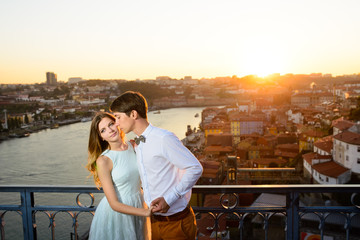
(104, 167)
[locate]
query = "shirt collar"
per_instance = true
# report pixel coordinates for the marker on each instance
(147, 130)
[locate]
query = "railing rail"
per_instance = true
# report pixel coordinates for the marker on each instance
(292, 211)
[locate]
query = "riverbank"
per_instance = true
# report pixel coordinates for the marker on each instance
(33, 128)
(36, 127)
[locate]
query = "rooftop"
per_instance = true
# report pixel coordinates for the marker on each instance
(331, 169)
(348, 137)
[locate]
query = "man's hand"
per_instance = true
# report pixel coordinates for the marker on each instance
(160, 205)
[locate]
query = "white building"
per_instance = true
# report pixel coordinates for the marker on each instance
(341, 125)
(97, 89)
(51, 101)
(92, 101)
(321, 169)
(74, 80)
(295, 116)
(331, 173)
(346, 150)
(324, 146)
(188, 80)
(352, 84)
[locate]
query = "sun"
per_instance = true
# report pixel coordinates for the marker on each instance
(263, 63)
(261, 58)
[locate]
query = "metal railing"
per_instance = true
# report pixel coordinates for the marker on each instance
(292, 211)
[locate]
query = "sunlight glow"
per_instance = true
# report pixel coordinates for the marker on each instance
(263, 62)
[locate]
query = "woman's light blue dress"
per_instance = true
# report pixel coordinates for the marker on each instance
(108, 224)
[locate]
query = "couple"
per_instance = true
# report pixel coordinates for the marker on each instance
(167, 170)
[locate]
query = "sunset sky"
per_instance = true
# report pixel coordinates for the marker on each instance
(142, 39)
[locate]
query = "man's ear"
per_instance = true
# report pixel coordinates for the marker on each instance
(134, 114)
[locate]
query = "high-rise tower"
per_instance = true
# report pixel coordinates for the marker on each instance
(51, 78)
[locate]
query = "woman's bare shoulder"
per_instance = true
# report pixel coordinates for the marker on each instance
(103, 160)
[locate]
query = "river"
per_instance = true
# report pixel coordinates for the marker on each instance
(58, 157)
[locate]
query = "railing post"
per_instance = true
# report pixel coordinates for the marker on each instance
(2, 224)
(292, 212)
(29, 227)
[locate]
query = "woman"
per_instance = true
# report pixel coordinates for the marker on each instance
(112, 162)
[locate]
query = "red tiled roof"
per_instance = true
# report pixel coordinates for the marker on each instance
(215, 125)
(314, 133)
(210, 164)
(210, 171)
(312, 155)
(343, 125)
(208, 175)
(218, 149)
(259, 148)
(348, 137)
(281, 153)
(308, 157)
(302, 138)
(325, 145)
(288, 146)
(331, 169)
(286, 135)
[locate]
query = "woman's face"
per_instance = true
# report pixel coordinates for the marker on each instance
(108, 130)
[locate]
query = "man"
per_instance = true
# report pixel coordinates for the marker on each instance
(168, 170)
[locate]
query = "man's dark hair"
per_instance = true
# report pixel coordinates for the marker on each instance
(129, 101)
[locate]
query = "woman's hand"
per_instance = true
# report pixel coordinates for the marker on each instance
(148, 211)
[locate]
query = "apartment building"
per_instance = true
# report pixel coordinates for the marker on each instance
(346, 150)
(242, 125)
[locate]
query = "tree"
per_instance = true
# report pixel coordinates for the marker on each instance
(281, 99)
(65, 89)
(11, 123)
(355, 112)
(57, 92)
(273, 119)
(148, 90)
(26, 119)
(17, 122)
(273, 165)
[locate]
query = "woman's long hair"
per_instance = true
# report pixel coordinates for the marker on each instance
(97, 145)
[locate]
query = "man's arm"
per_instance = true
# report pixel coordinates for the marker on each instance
(176, 153)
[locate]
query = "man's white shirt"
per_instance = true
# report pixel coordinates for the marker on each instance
(167, 169)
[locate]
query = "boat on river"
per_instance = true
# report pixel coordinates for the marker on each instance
(86, 119)
(19, 135)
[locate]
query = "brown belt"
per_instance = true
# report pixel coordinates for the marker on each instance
(175, 217)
